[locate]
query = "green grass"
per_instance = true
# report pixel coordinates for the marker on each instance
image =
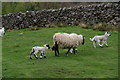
(88, 63)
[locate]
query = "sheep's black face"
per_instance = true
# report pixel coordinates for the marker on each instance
(53, 48)
(48, 46)
(83, 40)
(108, 34)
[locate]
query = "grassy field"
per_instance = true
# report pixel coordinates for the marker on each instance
(88, 63)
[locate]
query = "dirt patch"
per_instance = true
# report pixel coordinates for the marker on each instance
(108, 47)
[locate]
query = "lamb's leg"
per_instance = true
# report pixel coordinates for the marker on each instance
(71, 50)
(41, 55)
(31, 53)
(35, 54)
(106, 43)
(94, 44)
(103, 42)
(98, 43)
(44, 55)
(68, 51)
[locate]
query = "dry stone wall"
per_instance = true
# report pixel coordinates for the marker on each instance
(92, 13)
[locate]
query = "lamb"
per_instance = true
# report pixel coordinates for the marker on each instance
(2, 32)
(66, 41)
(37, 49)
(97, 39)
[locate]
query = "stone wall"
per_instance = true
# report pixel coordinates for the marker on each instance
(92, 13)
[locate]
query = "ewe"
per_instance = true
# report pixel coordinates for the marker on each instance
(66, 41)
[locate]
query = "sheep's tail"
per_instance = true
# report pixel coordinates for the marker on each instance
(91, 39)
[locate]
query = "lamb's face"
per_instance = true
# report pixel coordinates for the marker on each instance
(108, 34)
(47, 45)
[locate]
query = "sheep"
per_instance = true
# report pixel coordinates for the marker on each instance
(37, 49)
(2, 32)
(66, 41)
(97, 39)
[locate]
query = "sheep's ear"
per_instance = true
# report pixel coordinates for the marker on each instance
(44, 45)
(107, 32)
(47, 45)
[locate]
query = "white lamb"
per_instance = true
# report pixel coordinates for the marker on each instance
(97, 39)
(37, 49)
(66, 41)
(2, 32)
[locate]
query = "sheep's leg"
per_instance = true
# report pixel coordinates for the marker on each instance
(4, 33)
(106, 43)
(103, 42)
(44, 55)
(68, 51)
(41, 55)
(71, 50)
(55, 52)
(74, 50)
(32, 53)
(56, 49)
(98, 43)
(94, 44)
(35, 54)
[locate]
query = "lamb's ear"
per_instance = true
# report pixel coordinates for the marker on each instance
(48, 46)
(107, 32)
(44, 45)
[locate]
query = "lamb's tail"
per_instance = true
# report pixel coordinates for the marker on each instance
(91, 39)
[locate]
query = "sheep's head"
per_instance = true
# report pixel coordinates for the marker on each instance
(47, 45)
(83, 40)
(53, 48)
(107, 33)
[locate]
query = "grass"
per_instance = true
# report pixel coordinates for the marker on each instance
(88, 63)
